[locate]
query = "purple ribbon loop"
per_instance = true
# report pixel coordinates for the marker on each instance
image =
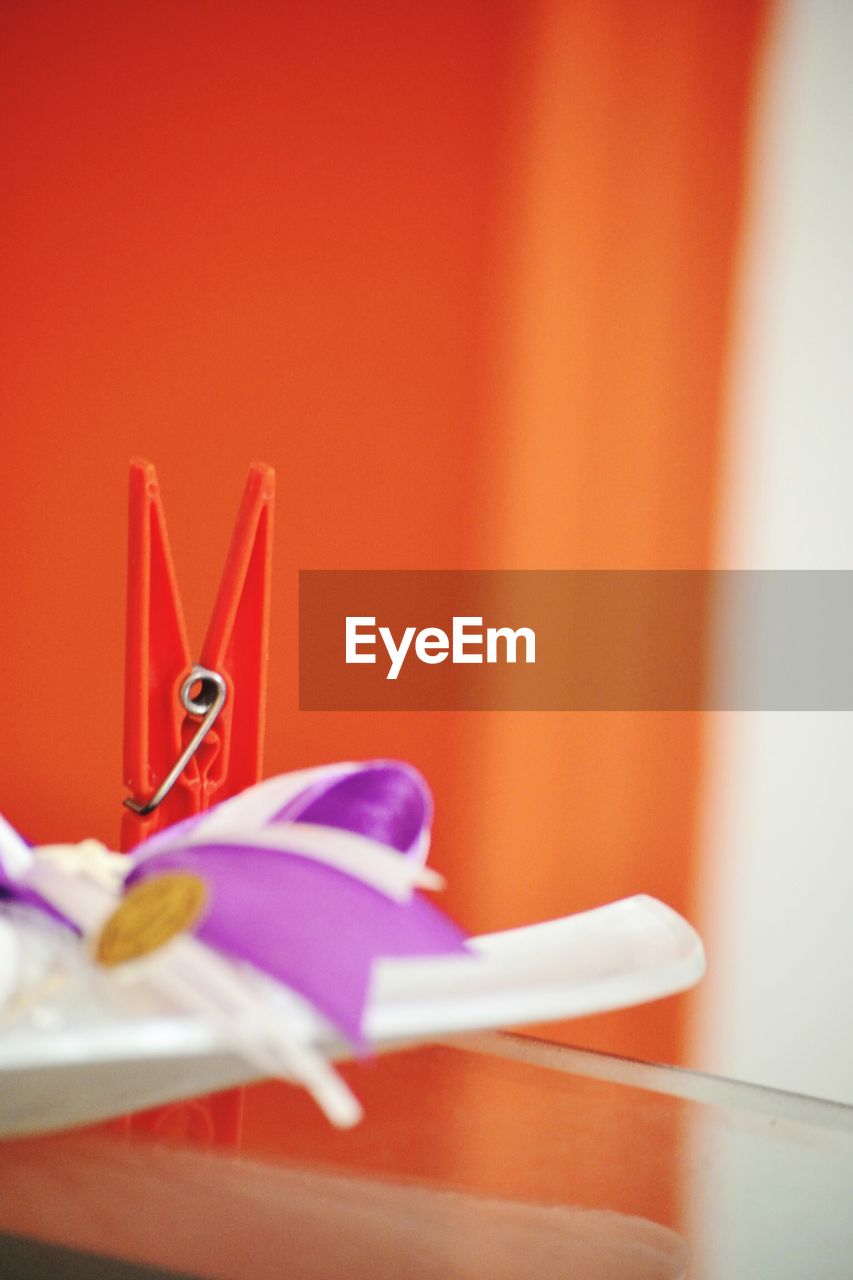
(309, 924)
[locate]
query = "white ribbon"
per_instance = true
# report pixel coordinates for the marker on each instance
(15, 854)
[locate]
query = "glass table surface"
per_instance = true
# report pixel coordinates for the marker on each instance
(494, 1156)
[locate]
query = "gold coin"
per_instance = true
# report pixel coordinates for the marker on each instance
(149, 915)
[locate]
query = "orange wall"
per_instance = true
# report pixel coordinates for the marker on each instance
(461, 272)
(607, 378)
(238, 231)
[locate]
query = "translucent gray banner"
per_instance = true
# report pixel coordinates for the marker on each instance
(569, 640)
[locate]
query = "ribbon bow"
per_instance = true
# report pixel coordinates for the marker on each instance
(312, 876)
(308, 878)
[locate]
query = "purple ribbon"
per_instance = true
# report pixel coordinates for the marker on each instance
(312, 926)
(12, 890)
(15, 889)
(315, 927)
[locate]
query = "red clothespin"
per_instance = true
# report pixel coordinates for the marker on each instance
(193, 733)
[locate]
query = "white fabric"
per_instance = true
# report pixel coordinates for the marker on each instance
(622, 954)
(15, 854)
(258, 805)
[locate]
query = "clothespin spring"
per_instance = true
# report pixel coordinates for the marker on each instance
(207, 703)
